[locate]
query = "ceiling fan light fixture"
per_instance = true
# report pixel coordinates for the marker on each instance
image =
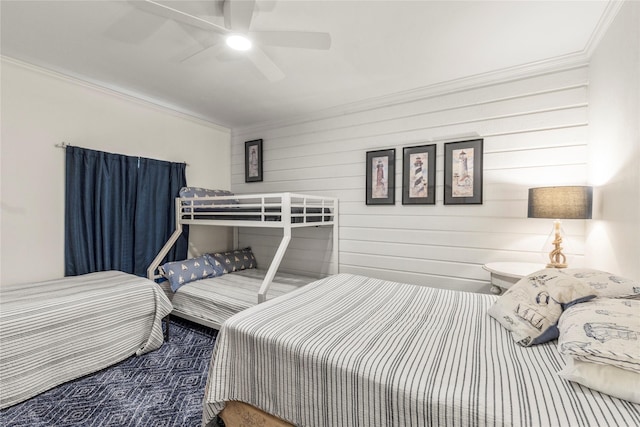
(238, 42)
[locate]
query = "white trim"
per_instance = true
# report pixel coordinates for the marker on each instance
(520, 72)
(119, 93)
(560, 63)
(609, 14)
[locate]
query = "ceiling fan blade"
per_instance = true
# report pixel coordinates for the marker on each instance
(265, 65)
(133, 28)
(199, 53)
(226, 55)
(201, 8)
(178, 16)
(238, 14)
(204, 38)
(266, 5)
(299, 39)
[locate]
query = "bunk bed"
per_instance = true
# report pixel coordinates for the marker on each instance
(203, 301)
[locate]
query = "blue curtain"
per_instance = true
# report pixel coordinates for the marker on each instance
(119, 211)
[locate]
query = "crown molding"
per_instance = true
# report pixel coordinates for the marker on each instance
(520, 72)
(609, 14)
(557, 64)
(118, 93)
(565, 62)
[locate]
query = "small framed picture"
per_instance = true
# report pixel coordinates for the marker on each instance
(463, 172)
(381, 177)
(419, 175)
(253, 161)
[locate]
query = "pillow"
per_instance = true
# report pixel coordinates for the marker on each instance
(196, 192)
(530, 309)
(606, 284)
(181, 272)
(604, 330)
(236, 260)
(607, 379)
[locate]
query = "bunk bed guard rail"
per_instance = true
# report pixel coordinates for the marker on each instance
(273, 210)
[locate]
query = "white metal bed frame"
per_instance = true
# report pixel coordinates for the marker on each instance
(314, 211)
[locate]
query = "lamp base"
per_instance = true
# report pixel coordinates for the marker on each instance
(557, 265)
(556, 257)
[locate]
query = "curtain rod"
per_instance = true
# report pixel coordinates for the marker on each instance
(65, 145)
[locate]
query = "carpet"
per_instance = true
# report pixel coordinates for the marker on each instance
(161, 389)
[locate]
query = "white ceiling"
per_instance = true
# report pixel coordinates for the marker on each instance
(378, 48)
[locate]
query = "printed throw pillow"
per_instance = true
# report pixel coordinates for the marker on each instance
(181, 272)
(530, 309)
(236, 260)
(606, 284)
(196, 192)
(605, 330)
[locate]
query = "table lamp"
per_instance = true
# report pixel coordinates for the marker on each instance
(567, 202)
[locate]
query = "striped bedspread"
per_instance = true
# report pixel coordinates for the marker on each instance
(355, 351)
(55, 331)
(216, 299)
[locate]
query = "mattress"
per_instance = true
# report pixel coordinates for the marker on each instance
(239, 213)
(56, 331)
(350, 350)
(216, 299)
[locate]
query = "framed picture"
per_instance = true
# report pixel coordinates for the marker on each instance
(463, 172)
(253, 161)
(381, 177)
(419, 175)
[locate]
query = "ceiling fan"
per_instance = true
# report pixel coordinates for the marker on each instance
(238, 15)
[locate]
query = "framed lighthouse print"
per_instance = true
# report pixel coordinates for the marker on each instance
(381, 177)
(419, 175)
(253, 161)
(463, 172)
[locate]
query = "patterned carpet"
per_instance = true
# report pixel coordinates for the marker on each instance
(159, 389)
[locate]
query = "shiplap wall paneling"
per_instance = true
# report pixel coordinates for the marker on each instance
(308, 253)
(535, 134)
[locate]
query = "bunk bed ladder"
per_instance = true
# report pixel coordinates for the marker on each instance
(286, 238)
(151, 271)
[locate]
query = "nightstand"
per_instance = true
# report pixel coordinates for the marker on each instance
(506, 274)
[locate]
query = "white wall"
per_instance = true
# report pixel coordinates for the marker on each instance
(614, 158)
(535, 134)
(573, 126)
(41, 109)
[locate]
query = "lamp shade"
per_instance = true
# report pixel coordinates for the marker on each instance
(568, 202)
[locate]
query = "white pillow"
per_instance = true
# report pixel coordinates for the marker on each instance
(603, 330)
(607, 379)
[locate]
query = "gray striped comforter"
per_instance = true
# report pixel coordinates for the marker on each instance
(354, 351)
(216, 299)
(52, 332)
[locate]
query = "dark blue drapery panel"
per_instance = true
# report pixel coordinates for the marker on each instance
(119, 211)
